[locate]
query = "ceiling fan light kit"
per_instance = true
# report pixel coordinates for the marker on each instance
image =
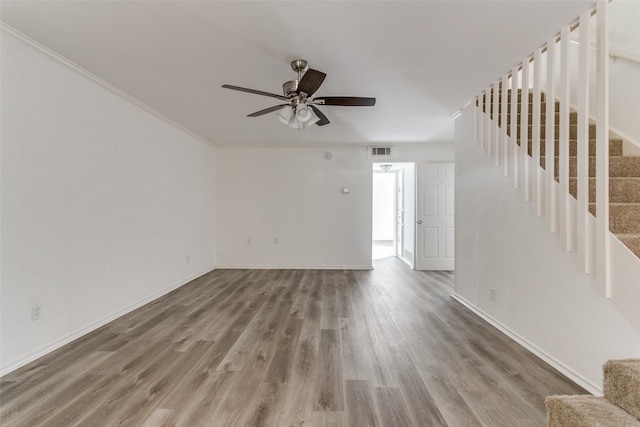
(300, 111)
(303, 113)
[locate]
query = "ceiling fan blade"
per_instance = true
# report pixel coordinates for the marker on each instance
(347, 101)
(323, 119)
(256, 92)
(267, 110)
(311, 81)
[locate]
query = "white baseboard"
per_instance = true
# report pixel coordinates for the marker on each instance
(557, 364)
(12, 366)
(294, 267)
(406, 261)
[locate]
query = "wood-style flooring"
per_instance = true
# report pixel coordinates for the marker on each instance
(387, 347)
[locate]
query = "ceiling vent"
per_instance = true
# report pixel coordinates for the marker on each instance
(379, 152)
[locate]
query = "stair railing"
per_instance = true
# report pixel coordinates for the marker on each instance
(547, 187)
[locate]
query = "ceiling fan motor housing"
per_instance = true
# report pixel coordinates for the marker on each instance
(290, 88)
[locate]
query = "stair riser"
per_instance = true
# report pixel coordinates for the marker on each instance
(509, 96)
(621, 190)
(543, 108)
(615, 147)
(619, 167)
(573, 132)
(623, 218)
(621, 385)
(573, 119)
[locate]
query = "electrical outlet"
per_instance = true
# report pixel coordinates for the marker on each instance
(276, 240)
(35, 312)
(492, 294)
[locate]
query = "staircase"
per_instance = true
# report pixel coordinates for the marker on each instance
(620, 406)
(624, 171)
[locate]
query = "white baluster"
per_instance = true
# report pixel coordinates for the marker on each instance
(504, 121)
(524, 132)
(536, 173)
(583, 241)
(551, 199)
(487, 119)
(565, 222)
(514, 126)
(602, 148)
(496, 128)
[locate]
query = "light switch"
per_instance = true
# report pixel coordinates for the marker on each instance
(346, 190)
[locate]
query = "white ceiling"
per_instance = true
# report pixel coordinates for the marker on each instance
(422, 60)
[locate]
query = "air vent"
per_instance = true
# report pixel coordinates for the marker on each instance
(379, 152)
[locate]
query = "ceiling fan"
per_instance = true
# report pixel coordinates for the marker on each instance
(299, 110)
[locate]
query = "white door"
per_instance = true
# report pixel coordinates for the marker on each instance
(434, 217)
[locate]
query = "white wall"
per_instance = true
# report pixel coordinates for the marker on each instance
(542, 297)
(624, 76)
(104, 206)
(294, 195)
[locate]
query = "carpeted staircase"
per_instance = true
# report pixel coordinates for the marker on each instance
(620, 406)
(624, 171)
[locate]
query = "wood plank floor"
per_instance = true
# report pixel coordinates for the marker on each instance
(387, 347)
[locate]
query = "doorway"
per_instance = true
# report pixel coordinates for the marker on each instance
(393, 211)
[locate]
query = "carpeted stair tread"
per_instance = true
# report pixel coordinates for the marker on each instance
(586, 411)
(622, 384)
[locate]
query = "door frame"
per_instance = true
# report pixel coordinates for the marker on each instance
(408, 207)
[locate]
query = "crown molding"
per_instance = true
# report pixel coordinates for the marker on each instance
(100, 82)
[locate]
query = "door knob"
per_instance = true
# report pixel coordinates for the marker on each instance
(419, 221)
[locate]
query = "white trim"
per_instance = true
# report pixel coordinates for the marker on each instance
(514, 158)
(622, 55)
(565, 222)
(555, 363)
(294, 267)
(12, 366)
(100, 82)
(396, 145)
(524, 131)
(405, 260)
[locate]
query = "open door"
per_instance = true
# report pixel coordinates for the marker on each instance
(434, 217)
(394, 201)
